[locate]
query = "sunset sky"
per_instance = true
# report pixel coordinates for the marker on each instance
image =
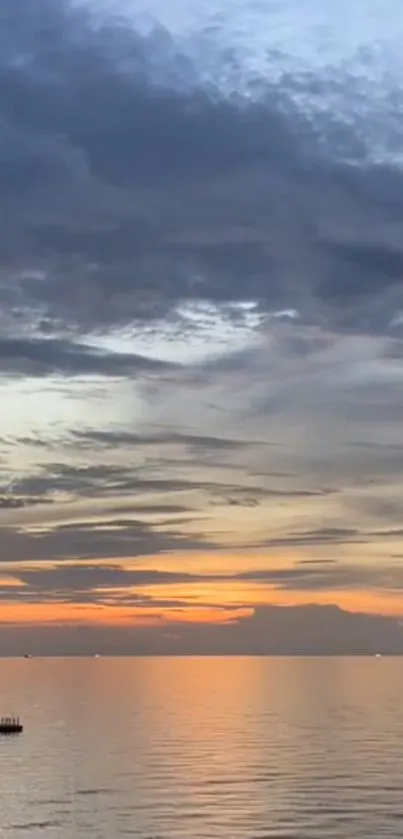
(201, 326)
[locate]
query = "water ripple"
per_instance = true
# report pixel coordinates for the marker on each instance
(194, 749)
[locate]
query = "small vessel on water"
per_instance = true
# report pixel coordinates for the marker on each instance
(10, 725)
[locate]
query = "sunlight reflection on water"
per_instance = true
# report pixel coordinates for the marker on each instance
(196, 748)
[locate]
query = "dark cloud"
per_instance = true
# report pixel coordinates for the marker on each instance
(270, 630)
(392, 533)
(93, 582)
(111, 480)
(330, 576)
(13, 502)
(111, 538)
(131, 188)
(319, 536)
(105, 480)
(79, 577)
(365, 268)
(110, 439)
(316, 561)
(154, 509)
(316, 630)
(334, 536)
(46, 357)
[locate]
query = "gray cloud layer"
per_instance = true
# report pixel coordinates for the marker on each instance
(45, 357)
(109, 583)
(128, 196)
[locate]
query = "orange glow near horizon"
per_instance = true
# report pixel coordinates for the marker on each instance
(210, 601)
(193, 610)
(55, 614)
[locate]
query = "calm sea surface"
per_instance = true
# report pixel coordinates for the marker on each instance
(218, 748)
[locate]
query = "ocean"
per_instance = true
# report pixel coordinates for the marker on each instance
(203, 748)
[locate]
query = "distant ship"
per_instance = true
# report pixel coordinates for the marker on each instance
(10, 725)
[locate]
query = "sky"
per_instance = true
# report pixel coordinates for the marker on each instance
(201, 326)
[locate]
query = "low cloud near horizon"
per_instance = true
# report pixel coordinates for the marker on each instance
(201, 327)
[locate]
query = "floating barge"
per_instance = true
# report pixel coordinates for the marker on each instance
(10, 725)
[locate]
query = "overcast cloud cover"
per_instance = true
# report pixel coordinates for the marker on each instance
(201, 324)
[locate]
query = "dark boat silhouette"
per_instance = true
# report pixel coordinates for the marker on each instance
(10, 725)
